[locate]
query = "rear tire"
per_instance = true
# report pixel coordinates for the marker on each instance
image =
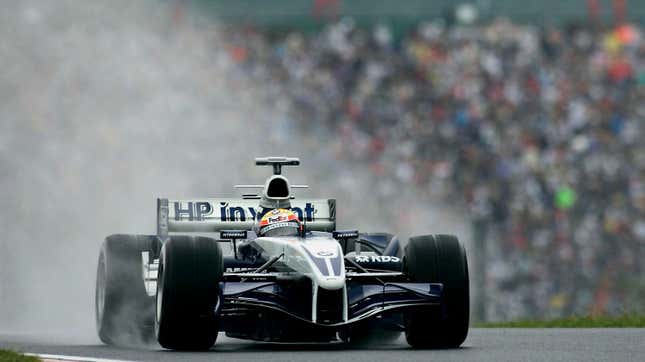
(190, 269)
(438, 259)
(124, 311)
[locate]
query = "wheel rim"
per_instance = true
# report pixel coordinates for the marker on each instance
(159, 296)
(100, 291)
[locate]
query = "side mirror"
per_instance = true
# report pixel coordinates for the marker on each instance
(343, 235)
(233, 236)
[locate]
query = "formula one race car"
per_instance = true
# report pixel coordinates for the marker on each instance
(290, 276)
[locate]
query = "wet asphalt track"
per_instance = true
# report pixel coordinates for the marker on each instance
(625, 344)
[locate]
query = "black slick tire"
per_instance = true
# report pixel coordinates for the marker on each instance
(190, 269)
(438, 259)
(124, 312)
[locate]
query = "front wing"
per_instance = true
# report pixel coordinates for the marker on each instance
(365, 295)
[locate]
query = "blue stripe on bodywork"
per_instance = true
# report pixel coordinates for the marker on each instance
(336, 264)
(320, 263)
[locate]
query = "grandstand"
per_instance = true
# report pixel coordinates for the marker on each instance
(533, 124)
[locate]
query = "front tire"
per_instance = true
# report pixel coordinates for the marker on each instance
(190, 269)
(438, 259)
(124, 311)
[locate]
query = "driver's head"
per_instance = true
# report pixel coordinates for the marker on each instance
(279, 222)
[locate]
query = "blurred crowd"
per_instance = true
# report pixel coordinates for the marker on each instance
(536, 131)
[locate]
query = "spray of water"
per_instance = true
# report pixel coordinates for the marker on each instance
(108, 105)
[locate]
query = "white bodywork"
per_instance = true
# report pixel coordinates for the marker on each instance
(319, 258)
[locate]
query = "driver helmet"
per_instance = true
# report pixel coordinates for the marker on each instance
(279, 222)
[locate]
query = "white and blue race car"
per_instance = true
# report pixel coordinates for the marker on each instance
(320, 285)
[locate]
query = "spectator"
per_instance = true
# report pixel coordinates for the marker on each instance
(537, 131)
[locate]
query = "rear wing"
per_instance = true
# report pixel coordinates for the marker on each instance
(211, 215)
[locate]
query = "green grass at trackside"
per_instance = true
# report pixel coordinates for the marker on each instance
(624, 321)
(9, 356)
